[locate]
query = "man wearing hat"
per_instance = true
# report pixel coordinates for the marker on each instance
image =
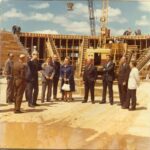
(8, 72)
(19, 72)
(32, 80)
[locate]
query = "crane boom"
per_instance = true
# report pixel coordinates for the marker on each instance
(91, 17)
(104, 23)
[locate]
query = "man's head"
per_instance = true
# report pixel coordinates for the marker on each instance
(55, 57)
(89, 61)
(11, 55)
(35, 55)
(123, 60)
(67, 61)
(22, 57)
(133, 64)
(109, 58)
(49, 59)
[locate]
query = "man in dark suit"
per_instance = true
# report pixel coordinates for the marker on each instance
(123, 75)
(89, 78)
(32, 80)
(8, 72)
(108, 78)
(56, 65)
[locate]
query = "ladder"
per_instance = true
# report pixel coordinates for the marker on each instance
(82, 50)
(51, 48)
(143, 59)
(131, 51)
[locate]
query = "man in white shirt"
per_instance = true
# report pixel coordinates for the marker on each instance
(133, 83)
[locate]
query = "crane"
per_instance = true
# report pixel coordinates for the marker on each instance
(104, 23)
(91, 17)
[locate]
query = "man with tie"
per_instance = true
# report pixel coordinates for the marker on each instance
(89, 78)
(8, 72)
(108, 78)
(32, 88)
(56, 65)
(123, 75)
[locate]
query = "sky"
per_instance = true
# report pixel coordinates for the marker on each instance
(51, 16)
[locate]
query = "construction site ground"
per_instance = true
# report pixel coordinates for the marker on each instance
(74, 125)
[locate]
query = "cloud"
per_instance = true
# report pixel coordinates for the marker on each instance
(40, 5)
(115, 31)
(144, 5)
(72, 25)
(81, 11)
(114, 15)
(78, 27)
(12, 13)
(47, 31)
(39, 17)
(1, 1)
(143, 21)
(73, 22)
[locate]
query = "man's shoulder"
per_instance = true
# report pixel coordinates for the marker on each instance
(8, 61)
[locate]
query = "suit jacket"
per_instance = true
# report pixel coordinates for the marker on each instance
(90, 73)
(134, 79)
(108, 71)
(47, 70)
(123, 73)
(19, 72)
(56, 65)
(8, 69)
(32, 70)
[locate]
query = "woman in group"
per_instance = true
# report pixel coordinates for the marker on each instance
(67, 76)
(48, 72)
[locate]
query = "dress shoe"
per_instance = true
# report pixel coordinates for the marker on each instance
(10, 103)
(65, 100)
(30, 105)
(55, 99)
(36, 105)
(72, 99)
(84, 101)
(17, 112)
(48, 100)
(111, 103)
(123, 107)
(102, 102)
(62, 99)
(132, 109)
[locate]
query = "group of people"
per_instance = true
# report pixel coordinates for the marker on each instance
(22, 77)
(129, 32)
(128, 81)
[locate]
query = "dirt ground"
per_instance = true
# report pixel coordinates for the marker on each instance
(73, 125)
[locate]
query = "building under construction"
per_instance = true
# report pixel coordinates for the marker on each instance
(75, 46)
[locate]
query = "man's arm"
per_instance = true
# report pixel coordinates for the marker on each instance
(95, 73)
(109, 68)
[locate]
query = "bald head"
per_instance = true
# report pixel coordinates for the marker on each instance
(123, 60)
(11, 56)
(55, 57)
(22, 57)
